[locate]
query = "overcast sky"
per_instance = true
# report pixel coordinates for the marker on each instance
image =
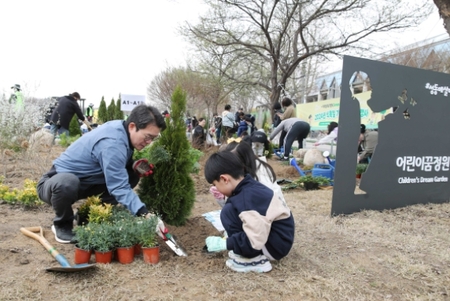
(103, 48)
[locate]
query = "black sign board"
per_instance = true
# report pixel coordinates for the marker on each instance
(410, 164)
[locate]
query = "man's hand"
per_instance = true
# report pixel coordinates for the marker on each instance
(161, 229)
(216, 244)
(143, 168)
(86, 122)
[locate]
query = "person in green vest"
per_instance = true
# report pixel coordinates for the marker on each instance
(17, 97)
(90, 112)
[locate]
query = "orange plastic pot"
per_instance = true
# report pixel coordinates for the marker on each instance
(103, 257)
(151, 255)
(137, 249)
(125, 255)
(81, 256)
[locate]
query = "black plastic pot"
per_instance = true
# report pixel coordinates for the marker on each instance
(311, 186)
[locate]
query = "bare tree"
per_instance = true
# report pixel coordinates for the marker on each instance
(204, 93)
(266, 40)
(444, 11)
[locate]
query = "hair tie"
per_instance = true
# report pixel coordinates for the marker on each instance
(237, 140)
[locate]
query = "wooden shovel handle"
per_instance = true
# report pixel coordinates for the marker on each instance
(31, 232)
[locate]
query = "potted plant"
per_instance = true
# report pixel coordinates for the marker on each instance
(83, 248)
(83, 210)
(312, 183)
(147, 238)
(360, 169)
(125, 233)
(102, 241)
(101, 213)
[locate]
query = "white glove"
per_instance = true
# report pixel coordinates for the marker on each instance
(161, 229)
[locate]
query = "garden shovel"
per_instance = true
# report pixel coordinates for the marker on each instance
(173, 245)
(65, 265)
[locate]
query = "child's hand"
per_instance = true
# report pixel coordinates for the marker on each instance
(216, 243)
(216, 193)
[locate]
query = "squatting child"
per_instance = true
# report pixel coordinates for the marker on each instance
(259, 224)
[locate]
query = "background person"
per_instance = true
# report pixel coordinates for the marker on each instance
(296, 129)
(199, 135)
(100, 163)
(259, 225)
(289, 109)
(228, 122)
(63, 113)
(90, 112)
(260, 143)
(217, 121)
(237, 115)
(368, 140)
(243, 124)
(331, 135)
(277, 113)
(17, 97)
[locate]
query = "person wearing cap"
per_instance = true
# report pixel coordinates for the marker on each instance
(101, 162)
(368, 140)
(63, 113)
(90, 112)
(259, 142)
(17, 97)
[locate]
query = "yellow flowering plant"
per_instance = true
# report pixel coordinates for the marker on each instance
(100, 213)
(27, 196)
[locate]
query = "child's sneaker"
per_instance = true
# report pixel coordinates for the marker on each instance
(233, 255)
(258, 264)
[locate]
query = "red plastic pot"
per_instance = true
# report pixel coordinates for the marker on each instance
(151, 255)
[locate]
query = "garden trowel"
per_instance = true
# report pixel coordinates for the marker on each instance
(171, 242)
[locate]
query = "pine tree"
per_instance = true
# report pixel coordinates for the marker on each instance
(170, 191)
(111, 110)
(119, 114)
(74, 127)
(102, 112)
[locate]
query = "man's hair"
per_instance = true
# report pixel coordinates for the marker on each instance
(75, 95)
(201, 119)
(223, 163)
(143, 115)
(227, 107)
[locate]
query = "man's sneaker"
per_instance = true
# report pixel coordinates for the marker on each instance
(284, 159)
(63, 233)
(258, 264)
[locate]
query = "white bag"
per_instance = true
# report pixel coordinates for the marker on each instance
(209, 140)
